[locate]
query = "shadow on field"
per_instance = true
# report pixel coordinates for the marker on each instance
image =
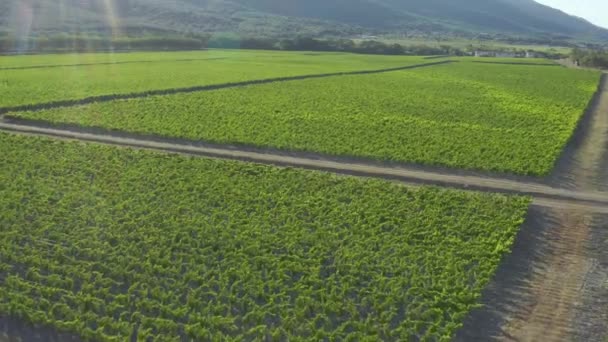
(13, 330)
(552, 287)
(503, 297)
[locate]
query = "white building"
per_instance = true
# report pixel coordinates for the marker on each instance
(482, 53)
(500, 54)
(506, 54)
(531, 54)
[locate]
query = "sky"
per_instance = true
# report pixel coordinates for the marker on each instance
(596, 11)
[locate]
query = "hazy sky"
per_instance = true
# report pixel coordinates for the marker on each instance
(596, 11)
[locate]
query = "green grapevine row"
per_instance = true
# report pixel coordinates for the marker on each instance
(34, 86)
(110, 243)
(506, 118)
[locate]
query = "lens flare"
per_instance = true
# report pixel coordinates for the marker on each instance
(112, 18)
(24, 16)
(30, 20)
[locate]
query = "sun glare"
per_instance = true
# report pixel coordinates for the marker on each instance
(111, 17)
(25, 16)
(29, 17)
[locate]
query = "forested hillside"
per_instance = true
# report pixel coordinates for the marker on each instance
(521, 18)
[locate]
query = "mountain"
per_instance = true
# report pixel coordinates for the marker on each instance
(468, 18)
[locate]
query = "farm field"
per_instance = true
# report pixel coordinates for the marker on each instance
(81, 59)
(491, 117)
(114, 243)
(505, 60)
(76, 59)
(163, 71)
(107, 242)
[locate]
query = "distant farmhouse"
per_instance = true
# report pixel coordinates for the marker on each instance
(532, 54)
(505, 54)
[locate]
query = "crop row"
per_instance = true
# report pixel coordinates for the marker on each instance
(79, 59)
(43, 85)
(507, 60)
(505, 118)
(111, 243)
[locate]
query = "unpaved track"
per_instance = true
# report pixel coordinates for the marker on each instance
(554, 286)
(545, 195)
(580, 164)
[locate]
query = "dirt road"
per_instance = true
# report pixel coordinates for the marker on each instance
(544, 195)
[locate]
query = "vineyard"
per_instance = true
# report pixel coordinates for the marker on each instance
(114, 243)
(505, 118)
(84, 59)
(127, 74)
(108, 243)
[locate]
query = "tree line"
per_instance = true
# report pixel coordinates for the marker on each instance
(339, 45)
(67, 43)
(590, 58)
(83, 43)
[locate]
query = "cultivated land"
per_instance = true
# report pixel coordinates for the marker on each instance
(83, 59)
(544, 195)
(35, 85)
(554, 285)
(99, 241)
(498, 60)
(492, 117)
(105, 242)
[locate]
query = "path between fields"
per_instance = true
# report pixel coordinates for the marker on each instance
(553, 287)
(544, 195)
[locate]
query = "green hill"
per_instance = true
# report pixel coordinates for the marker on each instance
(465, 18)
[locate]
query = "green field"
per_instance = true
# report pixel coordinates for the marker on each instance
(28, 61)
(103, 241)
(474, 44)
(493, 117)
(166, 71)
(501, 60)
(115, 244)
